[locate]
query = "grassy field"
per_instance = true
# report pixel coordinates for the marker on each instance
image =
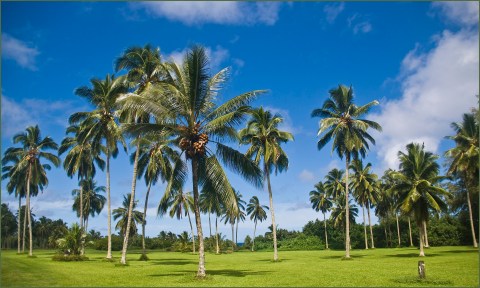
(445, 266)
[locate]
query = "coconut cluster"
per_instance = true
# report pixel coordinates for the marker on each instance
(195, 144)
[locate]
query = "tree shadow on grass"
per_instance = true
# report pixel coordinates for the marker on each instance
(271, 260)
(413, 255)
(172, 261)
(473, 250)
(422, 282)
(222, 272)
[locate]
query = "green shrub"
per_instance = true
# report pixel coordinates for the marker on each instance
(69, 258)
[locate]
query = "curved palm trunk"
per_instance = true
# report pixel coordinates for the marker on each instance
(109, 209)
(398, 230)
(144, 218)
(29, 217)
(420, 229)
(325, 225)
(19, 222)
(474, 237)
(410, 232)
(274, 227)
(123, 260)
(370, 224)
(365, 227)
(193, 234)
(201, 273)
(253, 241)
(216, 235)
(24, 227)
(425, 235)
(347, 211)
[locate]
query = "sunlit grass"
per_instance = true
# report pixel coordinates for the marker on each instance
(445, 266)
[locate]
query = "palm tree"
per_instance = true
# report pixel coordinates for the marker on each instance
(416, 186)
(100, 127)
(335, 183)
(339, 215)
(321, 202)
(257, 213)
(29, 165)
(264, 138)
(341, 121)
(154, 163)
(241, 213)
(464, 159)
(144, 69)
(364, 187)
(185, 106)
(80, 160)
(93, 201)
(210, 202)
(122, 214)
(179, 203)
(230, 216)
(386, 184)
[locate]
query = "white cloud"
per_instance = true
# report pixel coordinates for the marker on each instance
(16, 116)
(437, 88)
(217, 12)
(19, 51)
(359, 25)
(217, 56)
(306, 176)
(459, 12)
(332, 11)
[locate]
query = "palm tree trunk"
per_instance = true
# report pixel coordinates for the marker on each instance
(253, 241)
(370, 224)
(410, 232)
(425, 235)
(233, 240)
(19, 221)
(420, 229)
(236, 232)
(398, 230)
(24, 227)
(325, 225)
(475, 245)
(86, 224)
(193, 234)
(216, 236)
(130, 206)
(145, 217)
(109, 209)
(386, 236)
(274, 227)
(209, 224)
(82, 245)
(201, 273)
(365, 227)
(29, 217)
(347, 211)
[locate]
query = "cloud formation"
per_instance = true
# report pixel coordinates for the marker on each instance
(306, 176)
(217, 56)
(332, 11)
(437, 88)
(221, 12)
(358, 25)
(464, 13)
(19, 51)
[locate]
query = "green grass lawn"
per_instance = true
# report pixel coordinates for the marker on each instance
(445, 266)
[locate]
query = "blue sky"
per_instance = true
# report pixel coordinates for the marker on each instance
(420, 60)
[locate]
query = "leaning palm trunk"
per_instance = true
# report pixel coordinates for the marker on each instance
(410, 232)
(201, 273)
(365, 227)
(216, 236)
(29, 217)
(420, 229)
(347, 212)
(24, 227)
(475, 245)
(18, 222)
(325, 225)
(398, 230)
(109, 208)
(253, 241)
(130, 207)
(425, 235)
(274, 228)
(144, 218)
(193, 234)
(370, 224)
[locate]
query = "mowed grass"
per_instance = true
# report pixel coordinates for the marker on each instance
(445, 266)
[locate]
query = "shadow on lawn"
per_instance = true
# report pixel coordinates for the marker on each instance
(413, 255)
(474, 250)
(223, 272)
(173, 261)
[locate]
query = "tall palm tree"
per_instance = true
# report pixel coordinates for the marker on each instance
(257, 213)
(179, 203)
(154, 163)
(93, 201)
(241, 214)
(386, 184)
(417, 185)
(122, 214)
(339, 215)
(321, 202)
(30, 156)
(464, 159)
(145, 68)
(364, 187)
(264, 137)
(100, 127)
(80, 160)
(341, 120)
(230, 216)
(185, 106)
(211, 203)
(335, 183)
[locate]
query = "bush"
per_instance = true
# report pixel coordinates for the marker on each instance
(69, 258)
(102, 244)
